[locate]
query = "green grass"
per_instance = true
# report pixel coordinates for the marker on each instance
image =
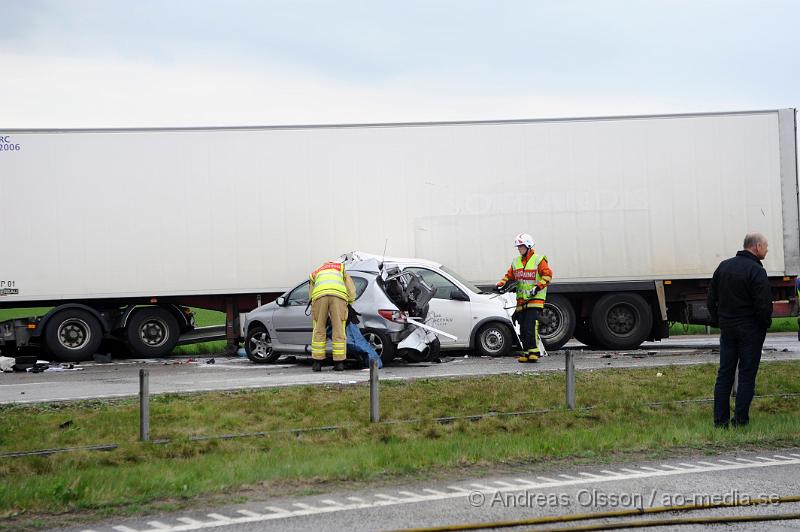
(137, 476)
(203, 317)
(13, 313)
(778, 325)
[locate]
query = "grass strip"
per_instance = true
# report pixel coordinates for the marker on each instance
(613, 417)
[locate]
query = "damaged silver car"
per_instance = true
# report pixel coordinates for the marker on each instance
(392, 305)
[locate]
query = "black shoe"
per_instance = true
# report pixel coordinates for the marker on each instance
(720, 425)
(339, 366)
(316, 365)
(737, 423)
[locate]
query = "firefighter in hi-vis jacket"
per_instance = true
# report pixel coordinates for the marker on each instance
(330, 290)
(533, 275)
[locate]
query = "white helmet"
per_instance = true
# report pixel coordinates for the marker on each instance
(523, 239)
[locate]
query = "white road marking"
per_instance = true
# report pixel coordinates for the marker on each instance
(189, 521)
(158, 525)
(248, 513)
(222, 518)
(332, 503)
(461, 492)
(277, 510)
(304, 506)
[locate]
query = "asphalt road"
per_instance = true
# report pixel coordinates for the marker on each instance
(518, 493)
(180, 375)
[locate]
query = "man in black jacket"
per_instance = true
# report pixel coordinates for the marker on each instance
(740, 303)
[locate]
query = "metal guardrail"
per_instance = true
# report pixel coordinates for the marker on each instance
(374, 413)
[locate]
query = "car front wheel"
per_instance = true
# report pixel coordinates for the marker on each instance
(494, 340)
(258, 346)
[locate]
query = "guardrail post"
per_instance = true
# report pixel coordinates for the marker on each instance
(144, 405)
(374, 413)
(570, 372)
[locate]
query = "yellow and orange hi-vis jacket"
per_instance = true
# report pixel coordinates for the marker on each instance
(541, 277)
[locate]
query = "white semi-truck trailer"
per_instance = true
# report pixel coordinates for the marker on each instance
(120, 230)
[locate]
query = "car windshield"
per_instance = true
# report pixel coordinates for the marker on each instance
(461, 280)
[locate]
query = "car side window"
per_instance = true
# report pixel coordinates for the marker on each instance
(298, 296)
(361, 285)
(444, 287)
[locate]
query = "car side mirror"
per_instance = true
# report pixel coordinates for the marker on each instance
(281, 301)
(458, 295)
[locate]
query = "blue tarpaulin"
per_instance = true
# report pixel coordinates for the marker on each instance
(356, 343)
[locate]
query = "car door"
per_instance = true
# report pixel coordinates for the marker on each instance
(447, 310)
(291, 324)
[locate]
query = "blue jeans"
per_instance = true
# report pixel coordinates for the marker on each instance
(738, 346)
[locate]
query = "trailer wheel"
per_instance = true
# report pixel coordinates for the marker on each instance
(258, 346)
(493, 340)
(381, 344)
(73, 335)
(152, 332)
(621, 321)
(558, 322)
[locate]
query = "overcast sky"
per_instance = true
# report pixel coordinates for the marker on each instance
(107, 63)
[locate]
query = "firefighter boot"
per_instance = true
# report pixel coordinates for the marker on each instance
(316, 365)
(339, 366)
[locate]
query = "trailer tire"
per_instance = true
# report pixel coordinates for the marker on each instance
(258, 346)
(494, 340)
(73, 335)
(557, 324)
(152, 332)
(621, 321)
(381, 343)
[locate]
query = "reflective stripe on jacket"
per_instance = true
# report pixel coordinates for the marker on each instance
(328, 280)
(527, 275)
(531, 271)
